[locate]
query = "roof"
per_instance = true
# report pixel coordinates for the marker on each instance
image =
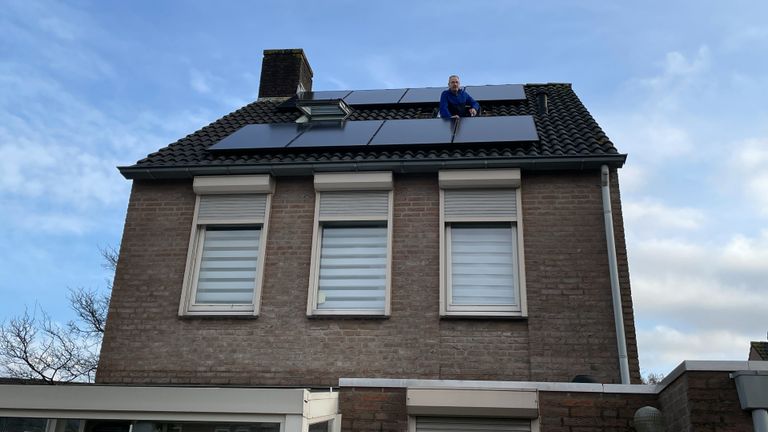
(569, 138)
(760, 349)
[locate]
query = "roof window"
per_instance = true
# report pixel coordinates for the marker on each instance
(315, 109)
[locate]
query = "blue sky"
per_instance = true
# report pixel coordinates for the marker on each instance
(681, 87)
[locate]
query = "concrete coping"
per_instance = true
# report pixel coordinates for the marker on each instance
(685, 366)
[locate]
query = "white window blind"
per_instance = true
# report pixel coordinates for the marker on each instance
(228, 265)
(479, 203)
(335, 205)
(353, 268)
(471, 424)
(483, 264)
(239, 208)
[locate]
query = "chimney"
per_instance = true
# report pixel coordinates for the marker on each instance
(284, 72)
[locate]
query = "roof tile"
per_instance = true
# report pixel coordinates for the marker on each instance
(568, 130)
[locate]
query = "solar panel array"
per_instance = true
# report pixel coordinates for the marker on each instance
(486, 93)
(468, 130)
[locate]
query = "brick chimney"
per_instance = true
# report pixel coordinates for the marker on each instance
(284, 72)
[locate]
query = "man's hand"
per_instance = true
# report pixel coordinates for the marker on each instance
(455, 116)
(472, 112)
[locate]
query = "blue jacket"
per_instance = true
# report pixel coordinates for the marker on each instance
(458, 100)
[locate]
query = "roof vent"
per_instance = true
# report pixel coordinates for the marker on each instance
(321, 109)
(542, 103)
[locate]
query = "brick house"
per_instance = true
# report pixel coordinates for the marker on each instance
(348, 261)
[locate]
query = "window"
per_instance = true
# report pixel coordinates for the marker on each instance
(225, 259)
(351, 246)
(481, 265)
(476, 424)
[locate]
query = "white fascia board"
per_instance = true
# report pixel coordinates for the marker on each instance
(352, 181)
(485, 178)
(234, 184)
(150, 403)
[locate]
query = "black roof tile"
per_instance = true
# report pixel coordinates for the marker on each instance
(566, 133)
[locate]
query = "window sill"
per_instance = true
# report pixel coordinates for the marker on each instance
(484, 315)
(348, 315)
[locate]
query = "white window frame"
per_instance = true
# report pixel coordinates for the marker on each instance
(225, 185)
(349, 182)
(481, 179)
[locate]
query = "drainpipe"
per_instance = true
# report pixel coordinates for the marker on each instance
(613, 266)
(752, 387)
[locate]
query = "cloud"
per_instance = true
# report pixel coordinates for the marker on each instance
(384, 69)
(704, 286)
(665, 347)
(652, 213)
(199, 82)
(749, 164)
(679, 74)
(650, 136)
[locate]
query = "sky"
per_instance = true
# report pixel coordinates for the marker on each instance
(681, 87)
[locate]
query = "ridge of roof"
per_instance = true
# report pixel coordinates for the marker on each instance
(568, 131)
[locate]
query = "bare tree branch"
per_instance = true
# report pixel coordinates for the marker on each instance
(90, 307)
(33, 346)
(110, 255)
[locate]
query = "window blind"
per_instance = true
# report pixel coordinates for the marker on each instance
(483, 264)
(240, 208)
(336, 205)
(228, 265)
(471, 424)
(473, 203)
(353, 268)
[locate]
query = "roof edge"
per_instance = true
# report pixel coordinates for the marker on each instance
(397, 166)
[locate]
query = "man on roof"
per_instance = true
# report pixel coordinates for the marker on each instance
(455, 102)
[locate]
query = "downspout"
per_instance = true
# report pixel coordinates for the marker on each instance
(613, 266)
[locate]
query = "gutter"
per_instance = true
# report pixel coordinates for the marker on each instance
(618, 315)
(399, 166)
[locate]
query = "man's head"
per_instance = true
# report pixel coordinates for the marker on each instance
(453, 83)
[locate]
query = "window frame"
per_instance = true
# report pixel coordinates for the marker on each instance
(349, 182)
(481, 180)
(225, 185)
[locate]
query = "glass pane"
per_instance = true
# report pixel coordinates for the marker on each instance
(320, 427)
(205, 427)
(228, 266)
(17, 424)
(483, 265)
(353, 268)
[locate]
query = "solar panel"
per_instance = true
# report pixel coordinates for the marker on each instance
(415, 131)
(423, 95)
(323, 95)
(497, 92)
(331, 134)
(374, 97)
(259, 136)
(495, 129)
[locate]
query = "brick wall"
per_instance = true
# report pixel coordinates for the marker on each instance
(704, 401)
(571, 323)
(373, 409)
(586, 412)
(570, 330)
